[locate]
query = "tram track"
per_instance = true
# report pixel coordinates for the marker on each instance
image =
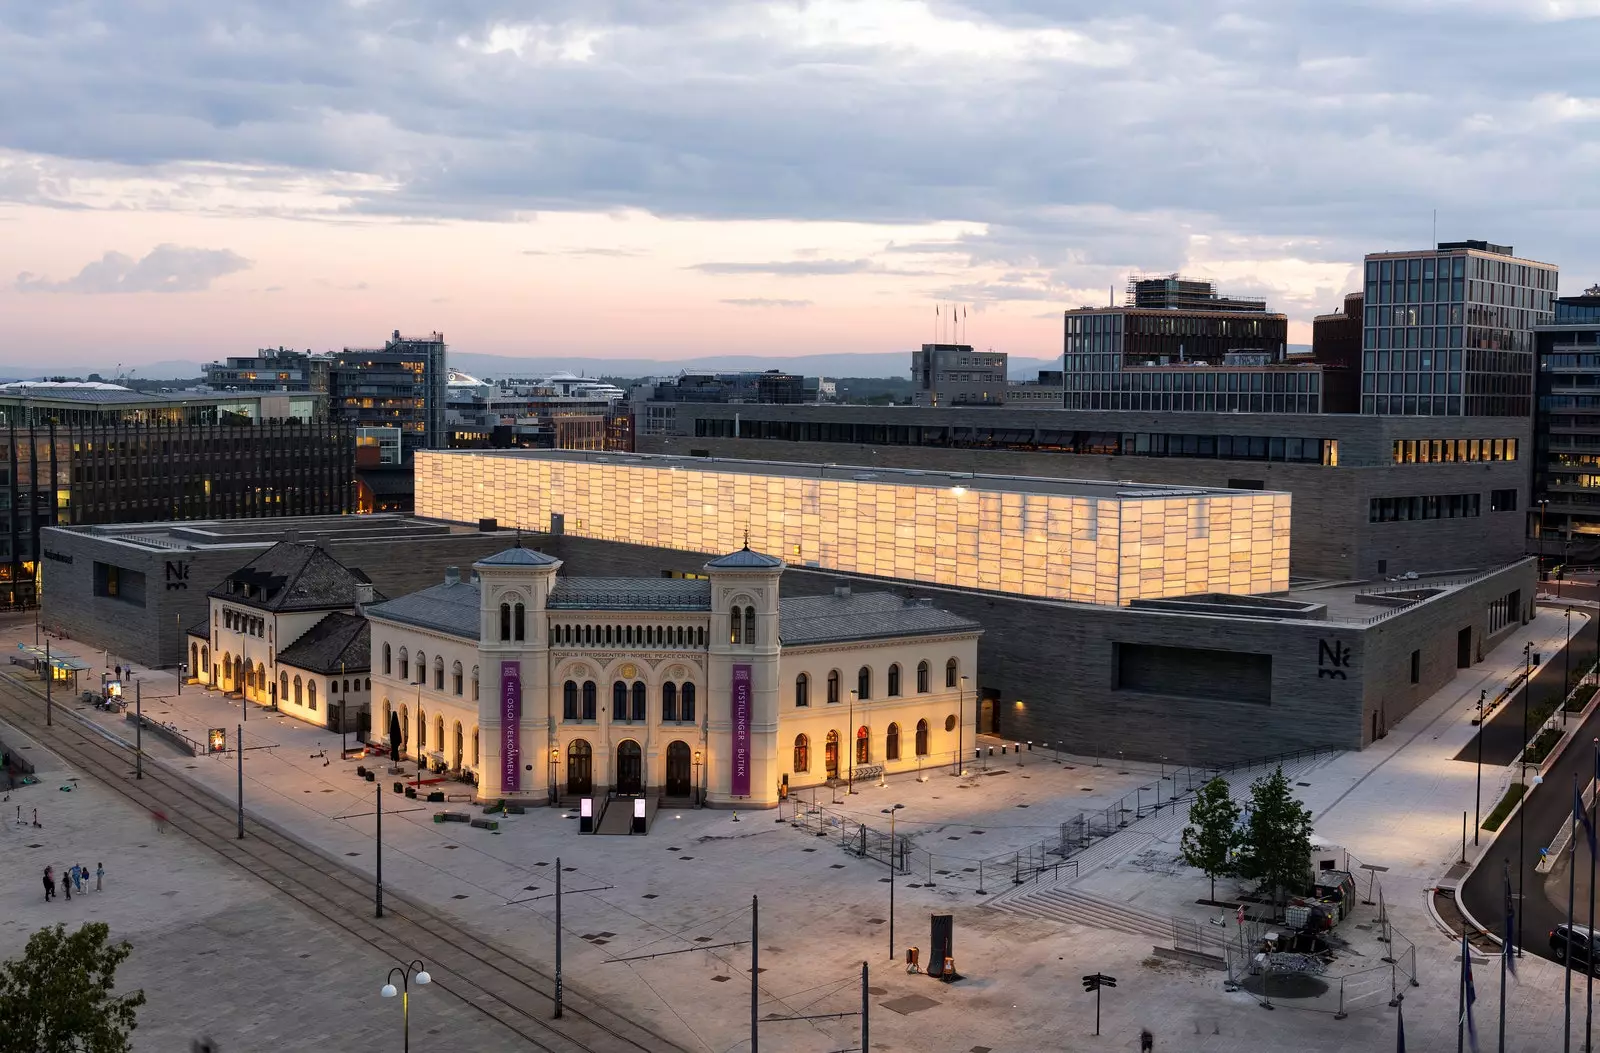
(490, 979)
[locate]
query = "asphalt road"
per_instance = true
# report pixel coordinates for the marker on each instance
(1545, 809)
(1503, 734)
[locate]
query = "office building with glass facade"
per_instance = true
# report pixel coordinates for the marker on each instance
(1450, 331)
(1565, 513)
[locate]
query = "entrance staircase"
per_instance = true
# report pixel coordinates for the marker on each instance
(618, 815)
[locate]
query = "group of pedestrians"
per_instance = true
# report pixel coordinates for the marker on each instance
(76, 878)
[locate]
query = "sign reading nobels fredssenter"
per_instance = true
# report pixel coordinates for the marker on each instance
(741, 732)
(510, 721)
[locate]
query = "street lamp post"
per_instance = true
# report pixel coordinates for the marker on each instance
(1566, 669)
(407, 972)
(697, 778)
(1541, 503)
(555, 759)
(850, 770)
(1477, 801)
(1522, 813)
(890, 813)
(377, 846)
(961, 726)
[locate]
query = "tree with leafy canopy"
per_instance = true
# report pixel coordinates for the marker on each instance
(1209, 839)
(1275, 848)
(57, 998)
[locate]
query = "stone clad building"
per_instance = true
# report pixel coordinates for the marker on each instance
(710, 687)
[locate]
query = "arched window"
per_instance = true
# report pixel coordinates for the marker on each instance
(474, 683)
(438, 673)
(686, 703)
(619, 701)
(864, 683)
(438, 734)
(368, 682)
(608, 636)
(891, 745)
(922, 738)
(950, 672)
(194, 659)
(422, 731)
(422, 668)
(833, 687)
(311, 695)
(505, 621)
(455, 678)
(589, 706)
(405, 726)
(669, 701)
(382, 730)
(802, 690)
(894, 680)
(830, 755)
(405, 665)
(802, 753)
(388, 665)
(736, 626)
(297, 691)
(750, 626)
(283, 687)
(569, 700)
(205, 659)
(922, 678)
(475, 760)
(863, 745)
(518, 622)
(640, 701)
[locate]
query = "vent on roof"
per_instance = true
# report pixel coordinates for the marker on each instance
(919, 601)
(452, 575)
(842, 591)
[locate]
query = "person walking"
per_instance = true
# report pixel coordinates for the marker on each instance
(83, 872)
(77, 879)
(1147, 1041)
(99, 875)
(49, 885)
(66, 886)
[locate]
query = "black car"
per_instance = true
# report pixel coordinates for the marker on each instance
(1578, 939)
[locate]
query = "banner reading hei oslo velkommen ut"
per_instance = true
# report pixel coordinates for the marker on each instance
(510, 721)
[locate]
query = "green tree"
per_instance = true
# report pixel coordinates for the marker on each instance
(57, 998)
(1209, 838)
(1276, 847)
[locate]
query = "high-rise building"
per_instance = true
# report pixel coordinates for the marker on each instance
(1566, 469)
(1336, 347)
(270, 369)
(957, 375)
(95, 453)
(401, 384)
(773, 387)
(1449, 331)
(1177, 345)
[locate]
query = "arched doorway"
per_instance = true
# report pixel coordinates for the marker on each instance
(630, 768)
(580, 768)
(678, 769)
(830, 755)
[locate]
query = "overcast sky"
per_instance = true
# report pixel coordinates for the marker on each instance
(198, 178)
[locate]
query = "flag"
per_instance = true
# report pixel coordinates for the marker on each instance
(1471, 995)
(1507, 945)
(1400, 1028)
(1583, 817)
(1241, 914)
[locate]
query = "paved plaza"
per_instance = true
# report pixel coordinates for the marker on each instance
(687, 886)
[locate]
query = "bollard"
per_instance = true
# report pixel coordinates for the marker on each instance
(1341, 1014)
(981, 892)
(1030, 745)
(1394, 991)
(1002, 751)
(929, 882)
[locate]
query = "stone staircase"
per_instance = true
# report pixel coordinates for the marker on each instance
(1076, 907)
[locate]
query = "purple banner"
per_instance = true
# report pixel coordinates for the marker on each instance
(510, 726)
(741, 731)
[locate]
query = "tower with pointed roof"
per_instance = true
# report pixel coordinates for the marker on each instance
(514, 710)
(742, 666)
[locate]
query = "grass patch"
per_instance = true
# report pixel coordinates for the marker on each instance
(1580, 698)
(1513, 794)
(1541, 746)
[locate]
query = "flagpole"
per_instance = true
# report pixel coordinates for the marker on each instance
(1572, 878)
(1505, 959)
(1588, 1012)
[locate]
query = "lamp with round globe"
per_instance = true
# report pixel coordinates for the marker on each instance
(414, 971)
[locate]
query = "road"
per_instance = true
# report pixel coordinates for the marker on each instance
(503, 986)
(1503, 734)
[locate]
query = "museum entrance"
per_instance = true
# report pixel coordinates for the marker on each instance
(630, 768)
(678, 769)
(580, 768)
(830, 755)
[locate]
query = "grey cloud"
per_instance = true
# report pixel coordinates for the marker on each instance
(789, 268)
(1327, 130)
(607, 253)
(166, 269)
(761, 301)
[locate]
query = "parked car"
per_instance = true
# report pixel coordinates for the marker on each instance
(1579, 941)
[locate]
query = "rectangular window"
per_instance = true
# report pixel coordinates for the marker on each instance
(1502, 500)
(1416, 667)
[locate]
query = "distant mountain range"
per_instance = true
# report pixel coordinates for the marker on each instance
(887, 364)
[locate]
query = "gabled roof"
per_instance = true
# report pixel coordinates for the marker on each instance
(450, 608)
(200, 629)
(745, 559)
(863, 616)
(518, 557)
(630, 594)
(293, 577)
(340, 643)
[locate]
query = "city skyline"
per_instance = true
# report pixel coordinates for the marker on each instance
(719, 179)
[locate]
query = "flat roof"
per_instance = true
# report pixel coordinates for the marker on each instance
(199, 535)
(1102, 489)
(37, 392)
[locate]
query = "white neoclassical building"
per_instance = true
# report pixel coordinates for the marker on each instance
(552, 688)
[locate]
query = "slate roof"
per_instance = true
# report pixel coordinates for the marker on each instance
(201, 629)
(746, 559)
(449, 607)
(862, 616)
(293, 577)
(518, 557)
(339, 643)
(631, 594)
